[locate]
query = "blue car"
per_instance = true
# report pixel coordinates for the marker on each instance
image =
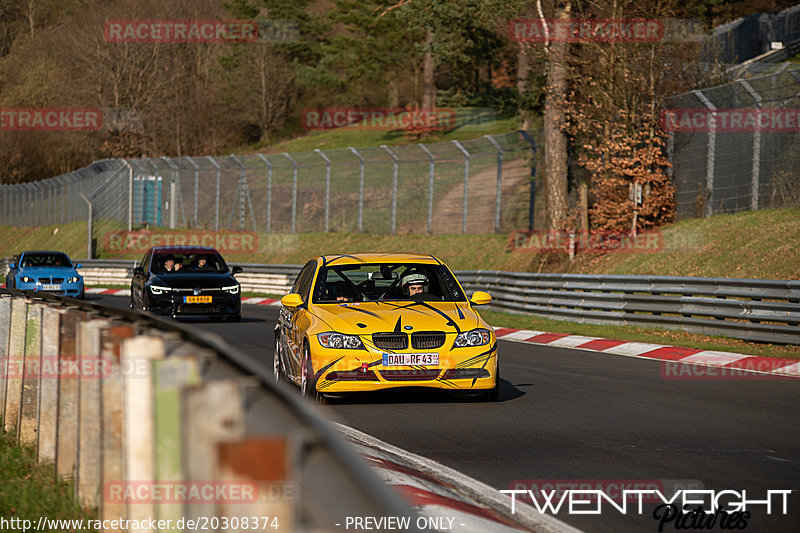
(50, 272)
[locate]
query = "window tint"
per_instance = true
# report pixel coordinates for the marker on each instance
(302, 284)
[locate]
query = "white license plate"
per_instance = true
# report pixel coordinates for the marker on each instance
(51, 287)
(406, 359)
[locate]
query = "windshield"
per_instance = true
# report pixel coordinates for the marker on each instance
(190, 263)
(46, 260)
(386, 282)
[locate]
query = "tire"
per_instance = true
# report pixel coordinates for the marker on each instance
(308, 384)
(493, 394)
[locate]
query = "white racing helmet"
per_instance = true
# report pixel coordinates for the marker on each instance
(414, 278)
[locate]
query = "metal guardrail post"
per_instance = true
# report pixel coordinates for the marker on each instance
(711, 155)
(294, 190)
(327, 185)
(196, 188)
(216, 196)
(360, 188)
(394, 187)
(431, 172)
(269, 191)
(756, 173)
(466, 186)
(499, 196)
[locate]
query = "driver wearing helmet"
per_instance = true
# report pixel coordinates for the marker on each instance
(414, 285)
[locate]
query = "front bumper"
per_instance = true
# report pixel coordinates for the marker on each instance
(459, 369)
(72, 290)
(173, 304)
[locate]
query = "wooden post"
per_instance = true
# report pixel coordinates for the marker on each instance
(5, 330)
(113, 469)
(137, 356)
(48, 388)
(15, 363)
(90, 417)
(67, 435)
(31, 375)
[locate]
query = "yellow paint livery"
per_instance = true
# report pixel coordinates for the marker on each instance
(353, 323)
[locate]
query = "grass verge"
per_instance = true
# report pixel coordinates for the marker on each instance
(29, 490)
(635, 334)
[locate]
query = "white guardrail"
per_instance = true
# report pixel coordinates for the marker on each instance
(749, 309)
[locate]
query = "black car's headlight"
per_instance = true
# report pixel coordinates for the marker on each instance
(475, 337)
(73, 279)
(26, 279)
(156, 289)
(233, 289)
(331, 339)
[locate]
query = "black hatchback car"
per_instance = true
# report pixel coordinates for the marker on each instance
(186, 281)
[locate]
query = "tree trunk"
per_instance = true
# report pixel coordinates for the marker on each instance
(555, 140)
(428, 74)
(523, 68)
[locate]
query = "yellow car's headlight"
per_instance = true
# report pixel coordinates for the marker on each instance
(475, 337)
(332, 339)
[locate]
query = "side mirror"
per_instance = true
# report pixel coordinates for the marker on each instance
(292, 300)
(78, 265)
(138, 271)
(480, 298)
(237, 269)
(12, 265)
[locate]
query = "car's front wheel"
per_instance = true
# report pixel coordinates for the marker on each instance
(308, 384)
(276, 359)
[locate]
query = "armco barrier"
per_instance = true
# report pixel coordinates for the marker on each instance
(123, 404)
(759, 310)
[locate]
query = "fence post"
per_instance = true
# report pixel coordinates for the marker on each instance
(14, 363)
(394, 187)
(29, 409)
(130, 194)
(294, 190)
(88, 228)
(327, 185)
(243, 193)
(754, 183)
(196, 188)
(173, 195)
(527, 137)
(360, 187)
(5, 332)
(48, 388)
(431, 172)
(216, 196)
(269, 191)
(90, 414)
(499, 197)
(466, 185)
(712, 150)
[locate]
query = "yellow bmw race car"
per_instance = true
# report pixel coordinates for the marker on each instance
(365, 322)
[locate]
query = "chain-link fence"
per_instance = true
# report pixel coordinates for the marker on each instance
(474, 186)
(736, 147)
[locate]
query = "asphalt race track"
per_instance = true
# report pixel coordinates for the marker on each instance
(580, 416)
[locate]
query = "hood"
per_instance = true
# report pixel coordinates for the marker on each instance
(190, 280)
(371, 317)
(37, 271)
